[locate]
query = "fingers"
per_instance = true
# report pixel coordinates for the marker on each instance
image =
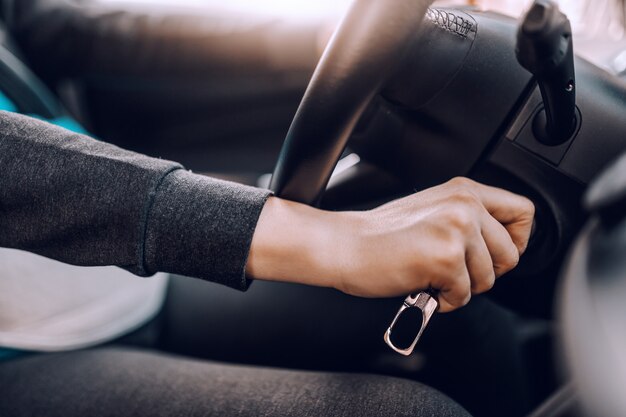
(502, 249)
(476, 276)
(504, 206)
(520, 231)
(480, 265)
(456, 294)
(513, 211)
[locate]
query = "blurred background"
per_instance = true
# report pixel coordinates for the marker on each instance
(223, 101)
(593, 18)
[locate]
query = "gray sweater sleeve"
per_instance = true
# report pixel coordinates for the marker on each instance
(85, 202)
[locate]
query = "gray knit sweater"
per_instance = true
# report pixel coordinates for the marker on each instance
(85, 202)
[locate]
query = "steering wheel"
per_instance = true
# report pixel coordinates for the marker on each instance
(363, 53)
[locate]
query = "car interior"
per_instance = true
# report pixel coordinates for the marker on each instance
(397, 100)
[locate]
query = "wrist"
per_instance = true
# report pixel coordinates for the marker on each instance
(297, 243)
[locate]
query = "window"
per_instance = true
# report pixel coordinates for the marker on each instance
(282, 8)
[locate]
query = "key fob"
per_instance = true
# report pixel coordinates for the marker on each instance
(427, 303)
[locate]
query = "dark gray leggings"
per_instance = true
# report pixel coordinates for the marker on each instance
(120, 381)
(467, 354)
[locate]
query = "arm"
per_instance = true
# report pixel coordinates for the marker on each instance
(457, 238)
(73, 38)
(86, 202)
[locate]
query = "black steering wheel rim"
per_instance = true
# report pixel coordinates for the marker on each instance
(364, 51)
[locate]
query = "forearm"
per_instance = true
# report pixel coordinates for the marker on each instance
(297, 243)
(86, 202)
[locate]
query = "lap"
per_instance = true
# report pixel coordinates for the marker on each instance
(470, 354)
(132, 382)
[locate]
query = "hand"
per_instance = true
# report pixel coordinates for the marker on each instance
(457, 238)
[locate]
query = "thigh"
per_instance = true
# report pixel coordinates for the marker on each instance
(126, 382)
(470, 354)
(274, 324)
(288, 325)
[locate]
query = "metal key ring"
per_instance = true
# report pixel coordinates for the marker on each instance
(427, 303)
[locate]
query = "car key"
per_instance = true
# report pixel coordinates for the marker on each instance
(427, 302)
